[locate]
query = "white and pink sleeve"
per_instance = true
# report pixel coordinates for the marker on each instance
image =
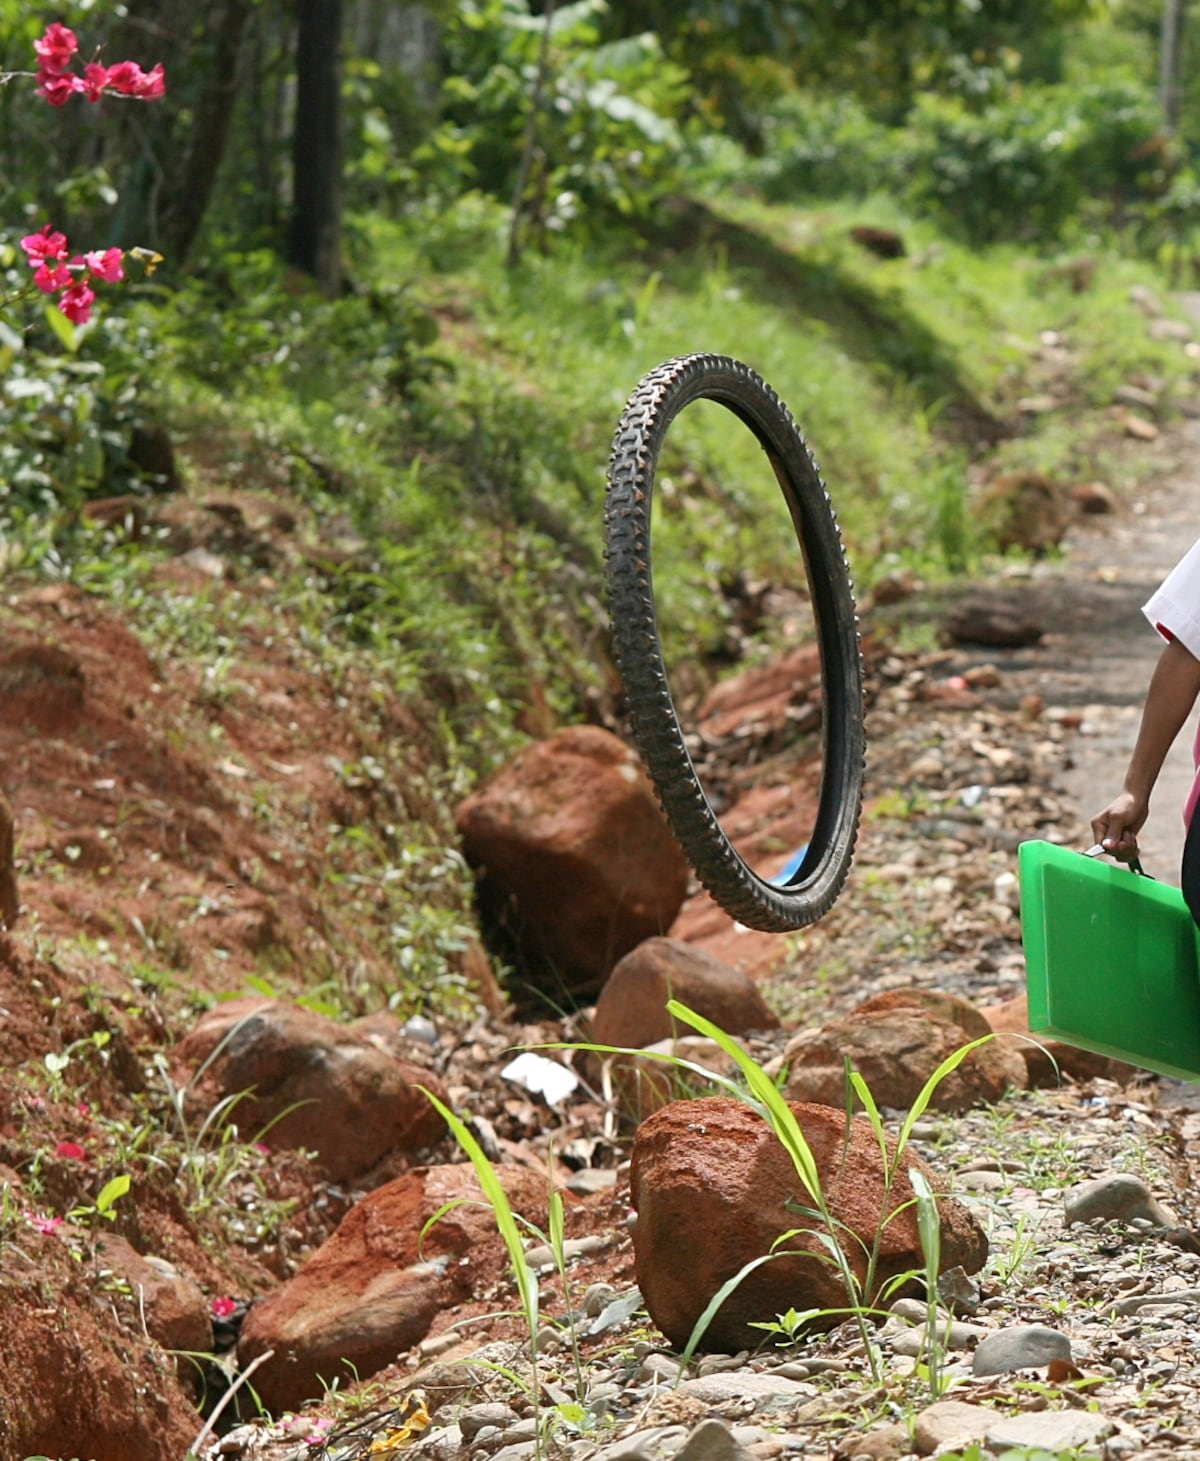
(1174, 611)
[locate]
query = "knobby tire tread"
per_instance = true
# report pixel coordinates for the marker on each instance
(637, 443)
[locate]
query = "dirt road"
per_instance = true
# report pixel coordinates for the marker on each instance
(1111, 652)
(1099, 652)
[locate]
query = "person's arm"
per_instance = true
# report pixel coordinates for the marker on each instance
(1173, 689)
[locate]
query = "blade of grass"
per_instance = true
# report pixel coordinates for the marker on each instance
(506, 1222)
(926, 1093)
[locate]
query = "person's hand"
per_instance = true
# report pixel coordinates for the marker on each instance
(1117, 826)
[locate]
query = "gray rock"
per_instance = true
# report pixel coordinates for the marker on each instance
(951, 1423)
(953, 1336)
(1131, 1305)
(521, 1430)
(1050, 1430)
(648, 1445)
(1116, 1195)
(717, 1389)
(712, 1441)
(914, 1310)
(622, 1308)
(475, 1417)
(591, 1179)
(1023, 1347)
(716, 1364)
(443, 1444)
(660, 1367)
(596, 1298)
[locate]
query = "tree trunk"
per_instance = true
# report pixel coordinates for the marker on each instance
(531, 132)
(183, 197)
(314, 243)
(1170, 89)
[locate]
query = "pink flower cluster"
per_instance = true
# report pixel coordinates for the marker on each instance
(58, 83)
(70, 279)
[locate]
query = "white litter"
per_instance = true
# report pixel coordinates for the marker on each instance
(541, 1077)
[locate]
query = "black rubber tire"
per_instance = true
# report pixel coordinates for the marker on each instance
(659, 398)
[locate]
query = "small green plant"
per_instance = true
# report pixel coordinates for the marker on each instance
(506, 1223)
(862, 1294)
(930, 1229)
(211, 1156)
(1009, 1263)
(105, 1202)
(57, 1061)
(509, 1225)
(789, 1327)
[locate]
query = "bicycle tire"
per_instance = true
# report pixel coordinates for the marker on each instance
(637, 443)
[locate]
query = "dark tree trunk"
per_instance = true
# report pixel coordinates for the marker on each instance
(531, 135)
(184, 196)
(314, 243)
(1170, 88)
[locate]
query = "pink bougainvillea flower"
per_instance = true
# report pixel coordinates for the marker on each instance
(44, 247)
(152, 83)
(320, 1431)
(223, 1307)
(106, 265)
(129, 79)
(70, 1149)
(58, 87)
(95, 79)
(56, 47)
(43, 1223)
(83, 1109)
(76, 303)
(51, 278)
(123, 77)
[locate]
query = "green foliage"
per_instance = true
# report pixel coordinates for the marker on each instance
(238, 321)
(606, 139)
(71, 400)
(884, 53)
(1031, 167)
(509, 1225)
(1032, 163)
(825, 145)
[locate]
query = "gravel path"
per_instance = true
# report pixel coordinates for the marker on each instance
(1099, 652)
(1081, 1337)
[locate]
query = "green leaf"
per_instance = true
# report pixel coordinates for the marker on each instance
(778, 1113)
(68, 335)
(506, 1222)
(557, 1226)
(925, 1095)
(111, 1191)
(700, 1328)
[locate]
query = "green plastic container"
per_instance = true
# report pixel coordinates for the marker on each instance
(1112, 960)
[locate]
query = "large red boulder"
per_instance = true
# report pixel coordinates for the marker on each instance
(303, 1080)
(574, 857)
(714, 1187)
(896, 1042)
(632, 1008)
(1047, 1060)
(372, 1290)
